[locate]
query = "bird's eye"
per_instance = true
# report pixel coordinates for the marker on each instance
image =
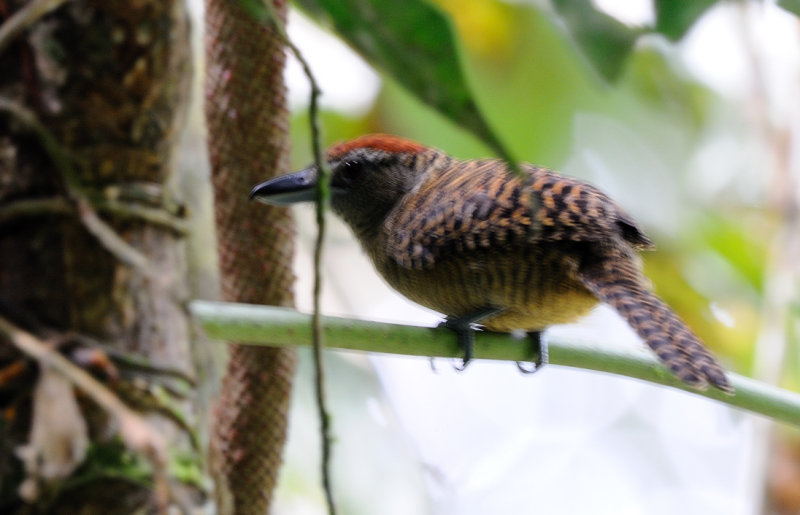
(351, 171)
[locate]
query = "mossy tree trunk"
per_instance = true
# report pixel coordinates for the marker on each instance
(92, 96)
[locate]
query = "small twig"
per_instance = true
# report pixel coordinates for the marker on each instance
(23, 18)
(26, 208)
(137, 434)
(12, 371)
(109, 238)
(133, 361)
(51, 145)
(157, 216)
(322, 200)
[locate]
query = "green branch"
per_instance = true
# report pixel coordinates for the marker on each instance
(265, 325)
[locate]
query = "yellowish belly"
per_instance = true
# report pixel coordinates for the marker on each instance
(535, 290)
(554, 309)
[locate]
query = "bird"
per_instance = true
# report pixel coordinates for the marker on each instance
(482, 245)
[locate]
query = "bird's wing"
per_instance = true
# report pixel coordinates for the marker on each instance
(479, 205)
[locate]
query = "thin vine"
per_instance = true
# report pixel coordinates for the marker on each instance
(322, 200)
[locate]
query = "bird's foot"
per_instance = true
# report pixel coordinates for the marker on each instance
(539, 353)
(465, 327)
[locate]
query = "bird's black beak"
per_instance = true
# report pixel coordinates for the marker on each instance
(287, 189)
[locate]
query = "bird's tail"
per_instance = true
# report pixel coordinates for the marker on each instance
(620, 284)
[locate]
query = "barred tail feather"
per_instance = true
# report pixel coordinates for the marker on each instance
(620, 284)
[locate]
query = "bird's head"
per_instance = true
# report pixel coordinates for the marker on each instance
(369, 175)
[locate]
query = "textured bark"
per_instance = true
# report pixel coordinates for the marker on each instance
(248, 142)
(109, 80)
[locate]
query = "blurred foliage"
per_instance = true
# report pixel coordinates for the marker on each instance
(569, 87)
(541, 76)
(413, 42)
(741, 242)
(728, 324)
(793, 6)
(675, 17)
(605, 41)
(652, 77)
(186, 468)
(483, 27)
(793, 351)
(111, 459)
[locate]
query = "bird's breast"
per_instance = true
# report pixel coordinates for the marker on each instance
(536, 287)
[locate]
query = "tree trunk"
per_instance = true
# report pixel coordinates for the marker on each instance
(91, 244)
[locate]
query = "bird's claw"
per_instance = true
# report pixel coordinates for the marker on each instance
(462, 367)
(539, 353)
(525, 370)
(465, 327)
(466, 340)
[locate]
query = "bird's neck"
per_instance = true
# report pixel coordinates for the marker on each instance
(369, 222)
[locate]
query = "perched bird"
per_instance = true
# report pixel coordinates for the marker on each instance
(479, 244)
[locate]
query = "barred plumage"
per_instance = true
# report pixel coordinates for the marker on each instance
(616, 281)
(462, 237)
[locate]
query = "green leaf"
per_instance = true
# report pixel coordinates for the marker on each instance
(414, 43)
(793, 6)
(744, 248)
(255, 9)
(604, 40)
(675, 17)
